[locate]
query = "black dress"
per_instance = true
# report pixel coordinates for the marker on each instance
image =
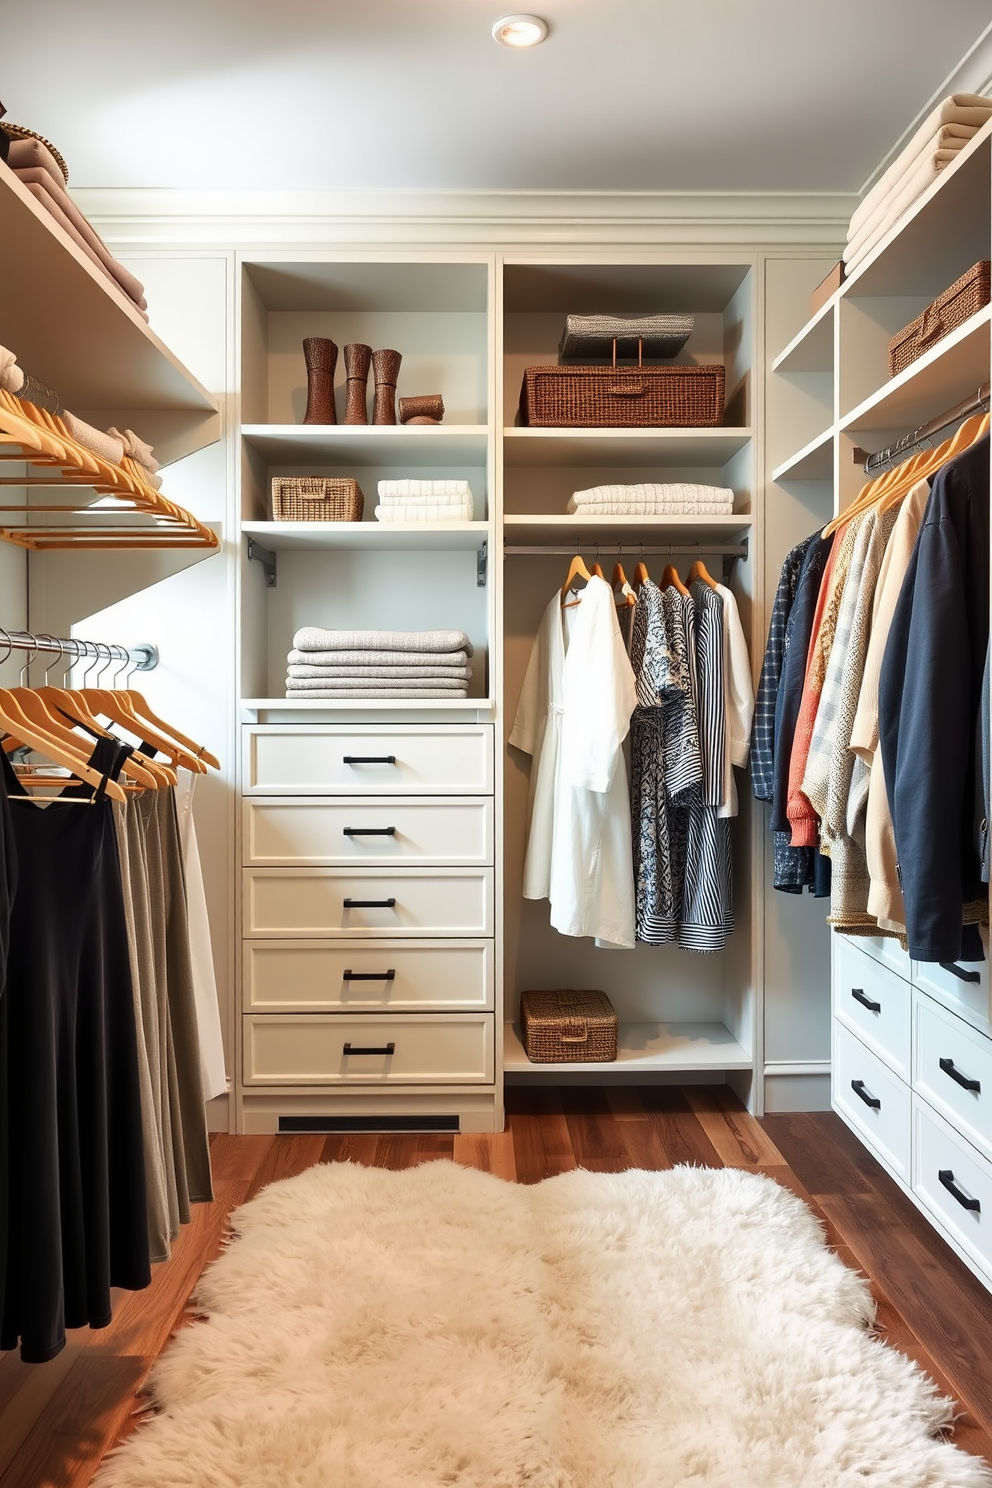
(70, 1101)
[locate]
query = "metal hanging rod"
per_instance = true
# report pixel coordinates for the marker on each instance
(893, 453)
(634, 550)
(141, 658)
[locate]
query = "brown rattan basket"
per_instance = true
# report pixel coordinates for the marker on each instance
(564, 1027)
(965, 298)
(622, 397)
(316, 498)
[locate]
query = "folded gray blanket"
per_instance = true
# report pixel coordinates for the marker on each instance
(356, 675)
(376, 684)
(376, 658)
(369, 692)
(314, 638)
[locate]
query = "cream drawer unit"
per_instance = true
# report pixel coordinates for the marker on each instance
(882, 948)
(404, 832)
(954, 1182)
(874, 1003)
(364, 902)
(872, 1099)
(962, 986)
(396, 976)
(370, 760)
(952, 1069)
(373, 1049)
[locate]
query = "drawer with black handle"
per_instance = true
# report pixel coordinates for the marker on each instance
(369, 1049)
(872, 1099)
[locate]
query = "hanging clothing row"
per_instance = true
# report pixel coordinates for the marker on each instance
(869, 741)
(650, 863)
(109, 1023)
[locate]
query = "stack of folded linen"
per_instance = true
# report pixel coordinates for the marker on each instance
(40, 172)
(424, 501)
(938, 141)
(676, 500)
(379, 663)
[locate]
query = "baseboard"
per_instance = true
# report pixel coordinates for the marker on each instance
(800, 1086)
(219, 1113)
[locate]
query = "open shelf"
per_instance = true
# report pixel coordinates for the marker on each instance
(368, 444)
(815, 461)
(812, 350)
(72, 328)
(383, 536)
(604, 529)
(367, 705)
(645, 448)
(956, 366)
(643, 1047)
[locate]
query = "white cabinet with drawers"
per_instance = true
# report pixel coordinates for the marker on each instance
(912, 1077)
(368, 915)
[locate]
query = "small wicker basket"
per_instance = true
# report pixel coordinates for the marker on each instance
(564, 1027)
(965, 297)
(316, 498)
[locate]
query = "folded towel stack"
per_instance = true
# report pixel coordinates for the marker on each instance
(38, 170)
(379, 663)
(939, 139)
(424, 501)
(674, 500)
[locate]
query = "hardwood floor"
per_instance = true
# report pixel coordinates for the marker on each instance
(58, 1420)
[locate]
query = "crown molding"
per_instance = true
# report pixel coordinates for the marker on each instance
(501, 221)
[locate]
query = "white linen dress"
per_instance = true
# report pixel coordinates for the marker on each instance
(573, 716)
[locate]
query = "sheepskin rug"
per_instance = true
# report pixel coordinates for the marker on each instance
(440, 1328)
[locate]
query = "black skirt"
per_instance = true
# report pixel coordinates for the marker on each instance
(69, 1104)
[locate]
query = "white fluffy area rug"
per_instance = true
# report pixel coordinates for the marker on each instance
(440, 1328)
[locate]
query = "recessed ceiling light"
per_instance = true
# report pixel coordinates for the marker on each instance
(520, 30)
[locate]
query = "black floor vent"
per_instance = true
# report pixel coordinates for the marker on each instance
(368, 1123)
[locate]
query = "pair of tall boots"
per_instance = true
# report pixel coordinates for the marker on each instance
(321, 359)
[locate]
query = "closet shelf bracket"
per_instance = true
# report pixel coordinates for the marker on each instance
(266, 558)
(482, 565)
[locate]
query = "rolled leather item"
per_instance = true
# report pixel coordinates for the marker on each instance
(424, 406)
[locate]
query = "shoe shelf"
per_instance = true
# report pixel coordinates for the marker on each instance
(282, 537)
(643, 448)
(641, 1048)
(368, 444)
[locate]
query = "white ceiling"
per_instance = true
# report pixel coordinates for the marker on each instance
(625, 94)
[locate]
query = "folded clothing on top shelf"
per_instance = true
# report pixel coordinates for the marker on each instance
(644, 500)
(424, 501)
(937, 142)
(425, 511)
(385, 663)
(59, 204)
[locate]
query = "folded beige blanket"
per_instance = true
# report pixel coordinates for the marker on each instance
(355, 675)
(25, 153)
(136, 448)
(899, 200)
(372, 692)
(423, 511)
(101, 444)
(423, 490)
(57, 201)
(650, 509)
(11, 376)
(376, 658)
(315, 638)
(371, 685)
(959, 112)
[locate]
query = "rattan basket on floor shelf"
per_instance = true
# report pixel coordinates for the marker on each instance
(965, 297)
(316, 498)
(560, 1026)
(622, 397)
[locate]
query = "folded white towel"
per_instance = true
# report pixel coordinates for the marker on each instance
(373, 685)
(653, 491)
(355, 675)
(649, 509)
(372, 692)
(965, 110)
(423, 490)
(377, 658)
(422, 511)
(898, 202)
(316, 638)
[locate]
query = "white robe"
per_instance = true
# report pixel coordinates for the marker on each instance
(573, 716)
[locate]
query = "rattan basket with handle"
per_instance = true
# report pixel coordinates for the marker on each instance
(963, 299)
(316, 498)
(560, 1026)
(622, 397)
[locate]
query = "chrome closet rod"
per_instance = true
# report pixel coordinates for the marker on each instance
(976, 403)
(142, 658)
(632, 550)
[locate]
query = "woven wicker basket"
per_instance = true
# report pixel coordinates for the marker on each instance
(316, 498)
(965, 298)
(564, 1027)
(622, 397)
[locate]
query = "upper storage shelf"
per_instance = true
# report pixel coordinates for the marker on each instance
(74, 330)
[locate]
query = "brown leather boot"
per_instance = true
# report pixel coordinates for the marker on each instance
(386, 366)
(321, 358)
(357, 360)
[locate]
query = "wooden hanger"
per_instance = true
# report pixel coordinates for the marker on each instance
(116, 707)
(576, 570)
(968, 434)
(619, 581)
(64, 700)
(670, 580)
(597, 572)
(27, 733)
(199, 752)
(698, 571)
(641, 575)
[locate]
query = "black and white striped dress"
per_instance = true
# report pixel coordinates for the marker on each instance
(707, 888)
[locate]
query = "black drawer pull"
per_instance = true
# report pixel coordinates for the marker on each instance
(369, 976)
(369, 831)
(947, 1065)
(946, 1177)
(369, 903)
(368, 759)
(370, 1049)
(960, 973)
(858, 993)
(858, 1086)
